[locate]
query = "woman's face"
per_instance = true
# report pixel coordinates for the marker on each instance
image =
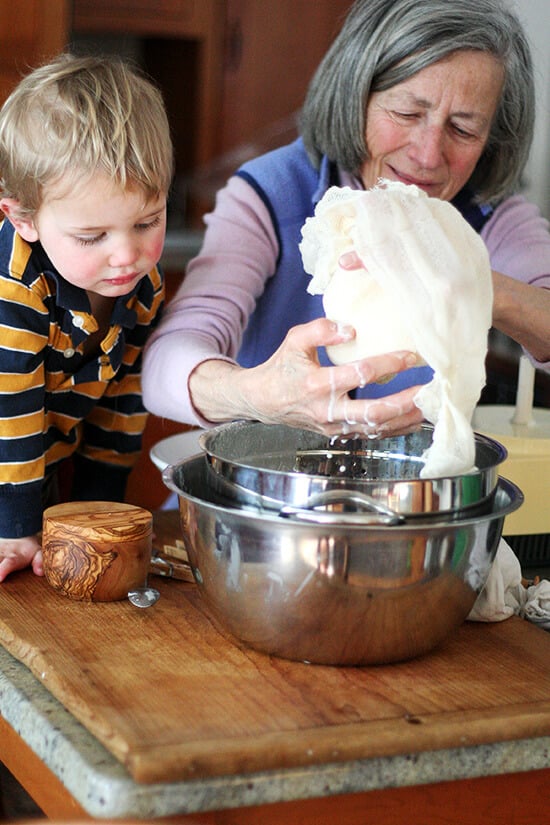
(431, 129)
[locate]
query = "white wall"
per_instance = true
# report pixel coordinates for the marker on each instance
(535, 17)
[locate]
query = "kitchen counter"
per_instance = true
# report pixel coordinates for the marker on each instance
(103, 788)
(395, 728)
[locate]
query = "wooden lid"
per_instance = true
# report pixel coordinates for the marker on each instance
(99, 519)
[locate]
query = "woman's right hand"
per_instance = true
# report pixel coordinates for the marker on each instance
(293, 388)
(15, 554)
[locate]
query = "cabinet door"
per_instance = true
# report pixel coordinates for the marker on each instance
(272, 51)
(30, 32)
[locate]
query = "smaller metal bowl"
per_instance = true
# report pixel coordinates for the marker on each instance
(271, 466)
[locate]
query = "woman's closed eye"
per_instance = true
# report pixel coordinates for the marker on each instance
(462, 132)
(406, 116)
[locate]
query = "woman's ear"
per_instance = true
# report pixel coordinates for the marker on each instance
(24, 225)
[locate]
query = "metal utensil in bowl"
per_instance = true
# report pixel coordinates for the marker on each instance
(334, 593)
(269, 466)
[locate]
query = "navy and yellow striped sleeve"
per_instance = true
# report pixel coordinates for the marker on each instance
(24, 331)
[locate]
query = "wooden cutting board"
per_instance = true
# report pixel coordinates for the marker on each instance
(172, 698)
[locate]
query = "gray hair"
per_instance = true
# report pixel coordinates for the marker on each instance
(384, 42)
(76, 116)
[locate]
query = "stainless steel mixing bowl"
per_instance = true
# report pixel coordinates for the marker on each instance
(310, 586)
(270, 465)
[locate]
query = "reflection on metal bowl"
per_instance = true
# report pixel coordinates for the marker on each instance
(330, 592)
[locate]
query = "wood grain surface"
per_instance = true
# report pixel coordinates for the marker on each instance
(96, 550)
(172, 698)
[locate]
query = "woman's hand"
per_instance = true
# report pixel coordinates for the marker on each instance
(15, 554)
(292, 387)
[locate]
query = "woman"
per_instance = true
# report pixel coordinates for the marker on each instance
(413, 91)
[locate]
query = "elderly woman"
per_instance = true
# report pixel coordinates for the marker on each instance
(412, 91)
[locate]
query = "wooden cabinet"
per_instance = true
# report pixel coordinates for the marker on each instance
(271, 52)
(30, 32)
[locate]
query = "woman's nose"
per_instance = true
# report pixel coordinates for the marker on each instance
(428, 147)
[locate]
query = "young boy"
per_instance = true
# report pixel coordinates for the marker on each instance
(85, 167)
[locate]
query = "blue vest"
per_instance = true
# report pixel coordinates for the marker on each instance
(290, 187)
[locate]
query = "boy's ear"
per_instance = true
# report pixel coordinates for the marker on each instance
(24, 225)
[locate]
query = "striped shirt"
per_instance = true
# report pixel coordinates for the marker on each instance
(55, 401)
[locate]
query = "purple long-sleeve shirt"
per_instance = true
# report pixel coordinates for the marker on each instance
(207, 316)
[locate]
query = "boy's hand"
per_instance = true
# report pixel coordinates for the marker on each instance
(15, 554)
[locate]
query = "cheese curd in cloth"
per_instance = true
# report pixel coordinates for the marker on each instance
(425, 286)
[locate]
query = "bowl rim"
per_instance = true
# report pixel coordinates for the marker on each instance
(504, 488)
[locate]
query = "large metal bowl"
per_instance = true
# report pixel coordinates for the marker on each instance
(271, 466)
(334, 592)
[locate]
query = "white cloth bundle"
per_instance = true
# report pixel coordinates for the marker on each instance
(537, 604)
(504, 594)
(426, 286)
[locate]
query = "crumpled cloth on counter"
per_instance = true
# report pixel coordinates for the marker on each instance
(537, 605)
(505, 595)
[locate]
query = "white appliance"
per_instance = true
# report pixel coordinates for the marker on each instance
(525, 432)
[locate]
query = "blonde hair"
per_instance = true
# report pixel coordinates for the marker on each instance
(78, 116)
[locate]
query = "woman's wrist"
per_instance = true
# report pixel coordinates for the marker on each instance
(213, 390)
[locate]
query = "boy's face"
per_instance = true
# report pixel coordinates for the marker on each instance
(98, 236)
